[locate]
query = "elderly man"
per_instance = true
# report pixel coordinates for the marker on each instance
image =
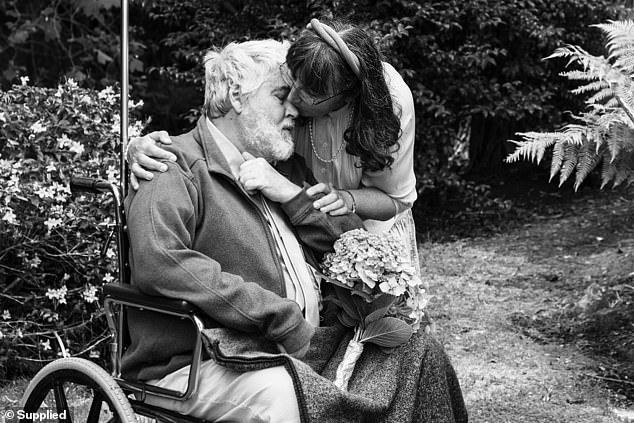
(215, 230)
(228, 232)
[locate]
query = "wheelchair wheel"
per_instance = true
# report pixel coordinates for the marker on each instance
(76, 390)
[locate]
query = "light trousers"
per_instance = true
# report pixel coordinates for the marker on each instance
(228, 396)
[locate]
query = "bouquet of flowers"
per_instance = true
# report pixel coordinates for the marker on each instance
(377, 290)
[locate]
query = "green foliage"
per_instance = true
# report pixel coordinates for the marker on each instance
(50, 39)
(52, 269)
(471, 64)
(605, 132)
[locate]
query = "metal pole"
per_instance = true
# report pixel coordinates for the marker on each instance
(124, 97)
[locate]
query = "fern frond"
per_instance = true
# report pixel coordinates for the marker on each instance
(568, 51)
(557, 159)
(588, 159)
(578, 75)
(620, 36)
(619, 137)
(623, 173)
(533, 146)
(626, 62)
(608, 170)
(602, 96)
(591, 87)
(570, 160)
(625, 100)
(575, 134)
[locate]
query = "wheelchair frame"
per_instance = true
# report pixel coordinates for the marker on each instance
(124, 397)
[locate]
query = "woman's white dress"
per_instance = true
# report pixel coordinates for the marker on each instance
(398, 181)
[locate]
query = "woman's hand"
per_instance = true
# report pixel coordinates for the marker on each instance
(334, 202)
(143, 155)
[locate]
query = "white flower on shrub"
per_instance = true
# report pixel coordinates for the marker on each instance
(135, 129)
(44, 192)
(108, 95)
(6, 165)
(115, 128)
(65, 277)
(76, 147)
(108, 278)
(57, 210)
(90, 294)
(6, 315)
(34, 263)
(71, 83)
(46, 345)
(51, 167)
(112, 174)
(63, 191)
(3, 117)
(57, 294)
(10, 217)
(110, 253)
(13, 184)
(63, 141)
(24, 80)
(38, 128)
(52, 223)
(133, 105)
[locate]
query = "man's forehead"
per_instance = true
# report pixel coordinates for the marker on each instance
(277, 82)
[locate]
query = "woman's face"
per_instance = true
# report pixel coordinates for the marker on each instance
(312, 105)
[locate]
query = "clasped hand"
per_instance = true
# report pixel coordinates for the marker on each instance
(256, 174)
(333, 201)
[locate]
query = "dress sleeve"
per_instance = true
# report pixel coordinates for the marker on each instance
(398, 181)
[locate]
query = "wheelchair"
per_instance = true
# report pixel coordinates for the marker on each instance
(124, 398)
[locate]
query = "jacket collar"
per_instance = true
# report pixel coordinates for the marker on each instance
(216, 161)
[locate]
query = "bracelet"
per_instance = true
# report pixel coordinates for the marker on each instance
(354, 203)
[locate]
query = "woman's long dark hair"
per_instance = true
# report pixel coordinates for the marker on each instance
(375, 129)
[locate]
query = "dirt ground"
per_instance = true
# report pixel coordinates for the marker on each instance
(509, 309)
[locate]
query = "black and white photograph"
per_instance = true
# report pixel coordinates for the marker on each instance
(316, 211)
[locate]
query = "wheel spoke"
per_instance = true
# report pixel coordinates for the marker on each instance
(95, 407)
(60, 401)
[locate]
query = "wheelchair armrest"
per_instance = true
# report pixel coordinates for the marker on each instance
(132, 295)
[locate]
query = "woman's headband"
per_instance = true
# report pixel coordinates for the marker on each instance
(335, 41)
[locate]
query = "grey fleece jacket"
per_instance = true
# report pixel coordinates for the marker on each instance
(196, 235)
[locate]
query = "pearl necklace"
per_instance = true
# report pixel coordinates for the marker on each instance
(339, 150)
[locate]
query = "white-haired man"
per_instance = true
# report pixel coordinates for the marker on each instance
(227, 232)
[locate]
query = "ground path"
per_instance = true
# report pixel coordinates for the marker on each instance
(486, 287)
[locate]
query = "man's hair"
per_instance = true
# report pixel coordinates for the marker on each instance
(239, 66)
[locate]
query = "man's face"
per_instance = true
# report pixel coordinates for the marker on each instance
(267, 120)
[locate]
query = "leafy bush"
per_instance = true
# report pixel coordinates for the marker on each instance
(51, 269)
(603, 134)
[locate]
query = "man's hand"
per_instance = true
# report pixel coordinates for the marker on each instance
(335, 202)
(143, 155)
(256, 174)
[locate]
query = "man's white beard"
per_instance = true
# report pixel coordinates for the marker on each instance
(262, 138)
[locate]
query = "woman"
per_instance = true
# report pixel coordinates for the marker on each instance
(357, 131)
